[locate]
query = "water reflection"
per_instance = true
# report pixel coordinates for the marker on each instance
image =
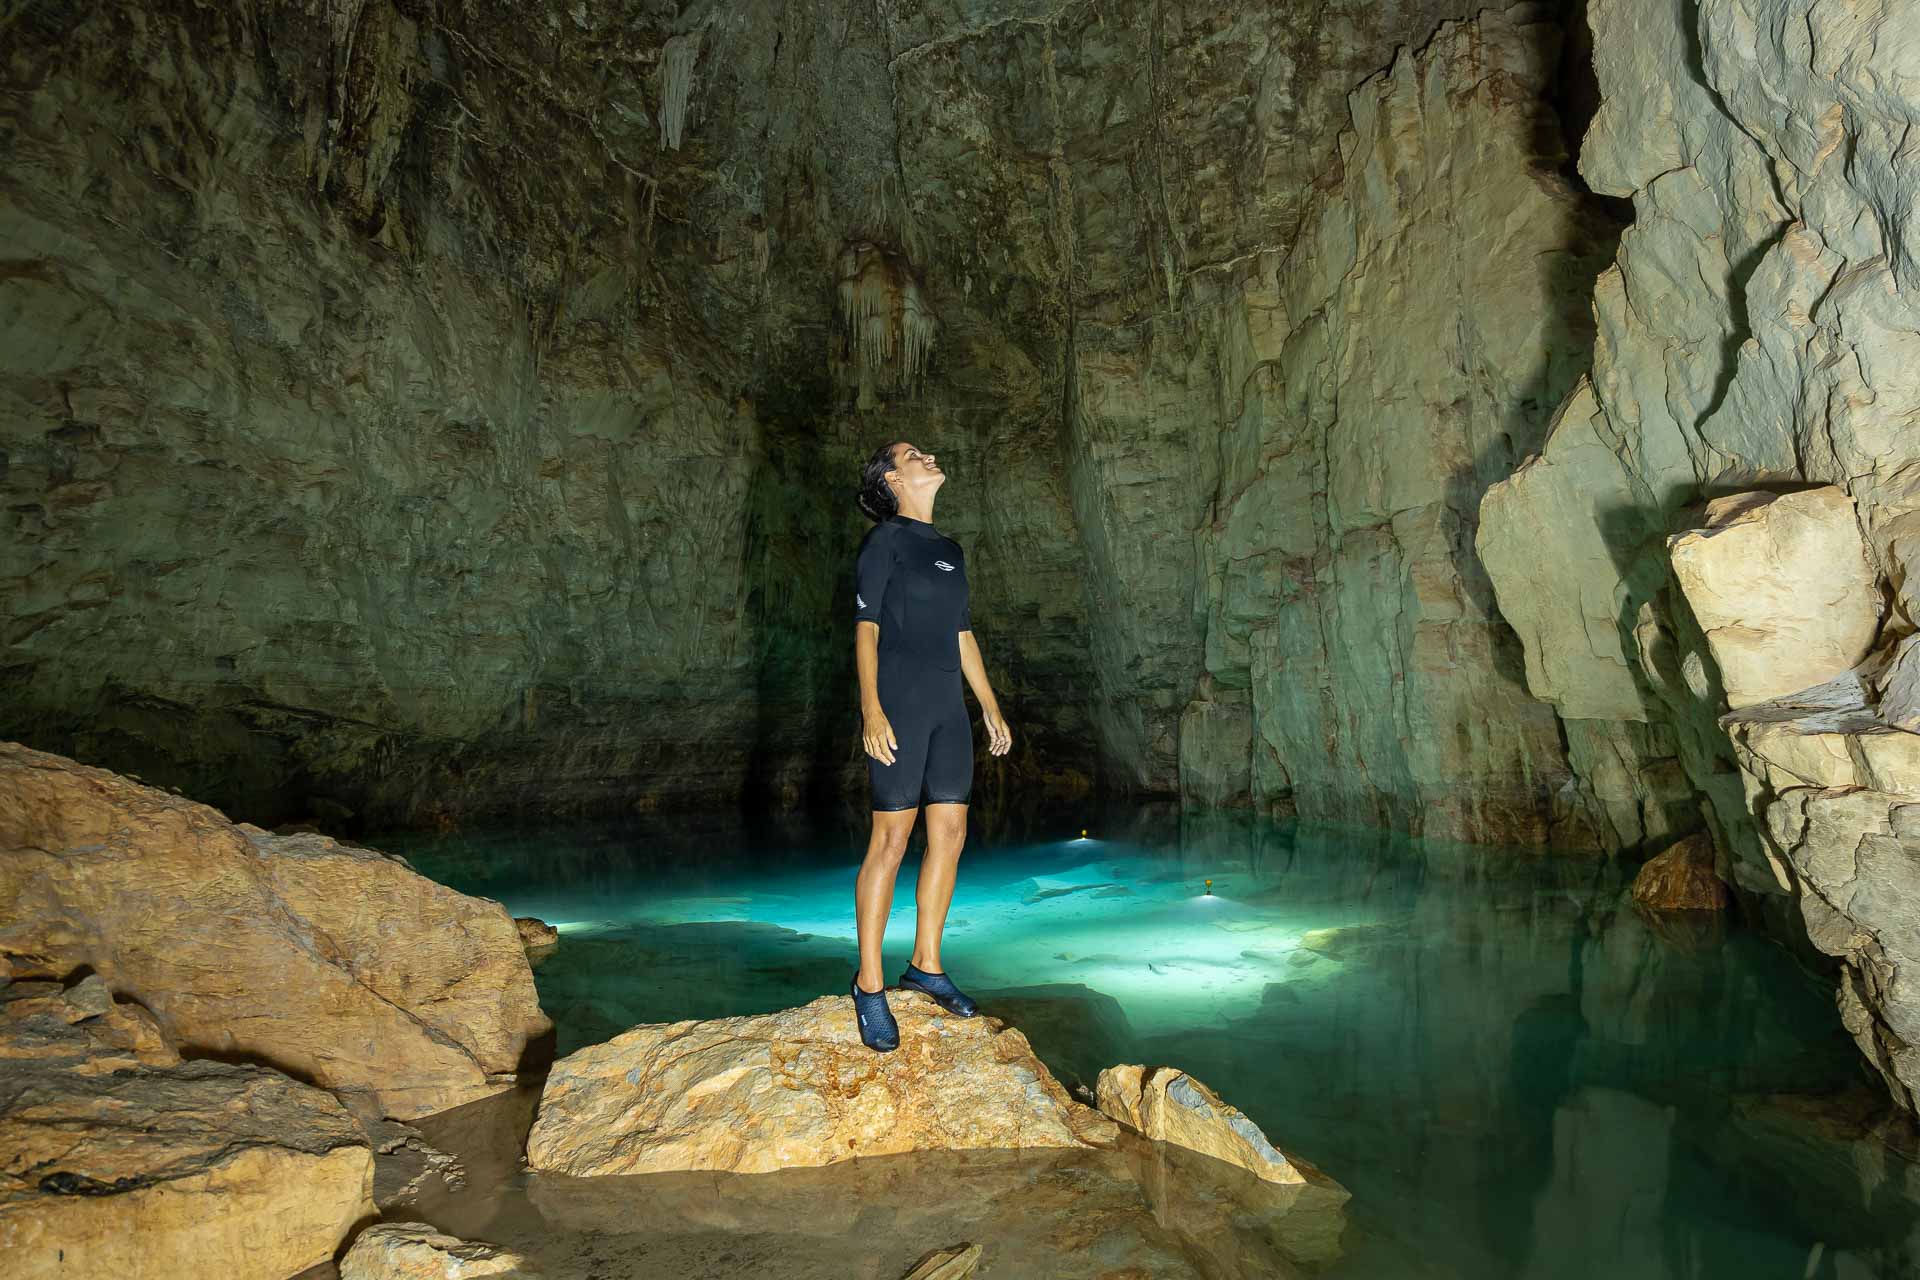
(1514, 1072)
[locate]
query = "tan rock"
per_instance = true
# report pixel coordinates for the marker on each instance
(956, 1263)
(202, 1169)
(342, 965)
(536, 934)
(1682, 878)
(1168, 1105)
(416, 1251)
(1781, 585)
(797, 1087)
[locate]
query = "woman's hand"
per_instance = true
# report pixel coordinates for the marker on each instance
(878, 736)
(999, 737)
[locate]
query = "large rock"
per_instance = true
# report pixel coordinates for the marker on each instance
(1781, 585)
(796, 1088)
(416, 1251)
(1168, 1105)
(337, 964)
(113, 1168)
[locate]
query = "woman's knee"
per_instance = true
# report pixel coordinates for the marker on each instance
(947, 827)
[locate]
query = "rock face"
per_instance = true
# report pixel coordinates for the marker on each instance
(1782, 588)
(798, 1088)
(416, 1251)
(1682, 878)
(118, 1168)
(531, 463)
(1757, 334)
(337, 964)
(1374, 379)
(1168, 1105)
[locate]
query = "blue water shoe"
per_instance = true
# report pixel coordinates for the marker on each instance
(941, 988)
(878, 1030)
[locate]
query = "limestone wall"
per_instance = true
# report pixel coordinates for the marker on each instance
(1374, 379)
(1758, 333)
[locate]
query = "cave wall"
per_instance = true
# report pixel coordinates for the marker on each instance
(1404, 354)
(1758, 333)
(400, 427)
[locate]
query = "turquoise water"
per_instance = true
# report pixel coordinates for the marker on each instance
(1512, 1071)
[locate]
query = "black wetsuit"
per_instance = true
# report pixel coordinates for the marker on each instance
(912, 580)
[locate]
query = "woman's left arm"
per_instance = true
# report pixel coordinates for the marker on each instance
(999, 737)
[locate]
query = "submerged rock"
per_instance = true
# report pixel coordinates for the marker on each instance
(114, 1168)
(797, 1087)
(1168, 1105)
(1682, 878)
(539, 938)
(339, 964)
(416, 1251)
(956, 1263)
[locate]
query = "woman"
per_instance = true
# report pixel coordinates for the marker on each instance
(912, 640)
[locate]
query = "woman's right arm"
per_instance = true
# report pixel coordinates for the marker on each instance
(870, 574)
(876, 731)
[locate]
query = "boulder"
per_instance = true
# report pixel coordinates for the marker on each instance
(338, 964)
(1781, 585)
(796, 1087)
(113, 1168)
(1168, 1105)
(1682, 878)
(416, 1251)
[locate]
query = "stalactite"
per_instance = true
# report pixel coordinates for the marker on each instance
(889, 324)
(676, 83)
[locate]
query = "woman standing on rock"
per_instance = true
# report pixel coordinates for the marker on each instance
(913, 639)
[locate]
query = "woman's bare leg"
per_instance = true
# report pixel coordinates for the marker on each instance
(873, 891)
(933, 894)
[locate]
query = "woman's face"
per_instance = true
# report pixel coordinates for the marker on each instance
(917, 471)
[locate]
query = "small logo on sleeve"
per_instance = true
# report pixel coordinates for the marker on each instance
(942, 564)
(858, 602)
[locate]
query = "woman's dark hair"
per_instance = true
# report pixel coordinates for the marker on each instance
(875, 498)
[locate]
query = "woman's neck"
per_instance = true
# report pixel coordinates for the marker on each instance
(912, 510)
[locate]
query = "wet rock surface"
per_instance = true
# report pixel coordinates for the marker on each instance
(118, 1165)
(797, 1088)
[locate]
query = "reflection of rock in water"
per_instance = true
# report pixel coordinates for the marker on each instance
(1062, 1214)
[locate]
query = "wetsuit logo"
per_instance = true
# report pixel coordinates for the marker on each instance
(858, 602)
(942, 564)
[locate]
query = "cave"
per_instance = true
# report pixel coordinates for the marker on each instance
(1434, 486)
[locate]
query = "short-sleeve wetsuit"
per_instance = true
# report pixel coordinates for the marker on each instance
(911, 579)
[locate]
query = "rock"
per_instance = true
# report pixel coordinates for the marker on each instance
(120, 1035)
(1682, 878)
(336, 963)
(796, 1088)
(1168, 1105)
(947, 1264)
(117, 1169)
(416, 1251)
(536, 934)
(1781, 585)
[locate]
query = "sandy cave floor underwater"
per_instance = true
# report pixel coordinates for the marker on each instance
(1512, 1070)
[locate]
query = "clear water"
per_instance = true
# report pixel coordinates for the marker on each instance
(1512, 1071)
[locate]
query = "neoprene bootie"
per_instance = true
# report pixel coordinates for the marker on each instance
(941, 988)
(878, 1030)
